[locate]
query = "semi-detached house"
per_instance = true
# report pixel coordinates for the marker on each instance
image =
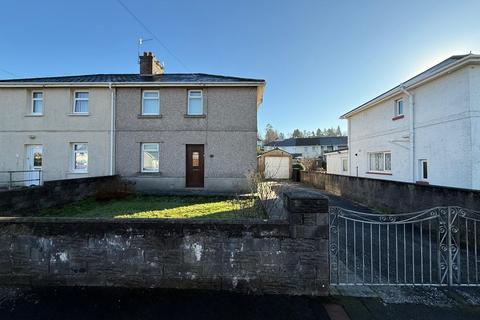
(163, 131)
(425, 130)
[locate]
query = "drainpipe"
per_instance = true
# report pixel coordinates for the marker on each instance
(411, 130)
(112, 127)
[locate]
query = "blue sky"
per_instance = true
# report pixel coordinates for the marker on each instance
(319, 58)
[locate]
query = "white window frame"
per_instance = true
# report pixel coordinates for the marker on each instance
(344, 169)
(142, 150)
(420, 163)
(384, 162)
(75, 99)
(37, 99)
(73, 144)
(397, 111)
(149, 98)
(201, 102)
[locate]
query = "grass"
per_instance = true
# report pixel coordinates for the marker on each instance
(138, 206)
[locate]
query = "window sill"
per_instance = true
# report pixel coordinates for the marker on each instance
(34, 115)
(425, 183)
(398, 117)
(153, 174)
(78, 172)
(194, 115)
(149, 116)
(79, 114)
(380, 173)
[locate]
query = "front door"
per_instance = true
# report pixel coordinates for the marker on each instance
(195, 168)
(33, 165)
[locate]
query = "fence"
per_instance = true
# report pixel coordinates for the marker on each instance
(438, 246)
(22, 178)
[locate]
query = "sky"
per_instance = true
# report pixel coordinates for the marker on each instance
(319, 58)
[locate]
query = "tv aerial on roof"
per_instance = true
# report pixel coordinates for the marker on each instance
(139, 44)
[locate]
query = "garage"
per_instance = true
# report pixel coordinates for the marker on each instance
(275, 164)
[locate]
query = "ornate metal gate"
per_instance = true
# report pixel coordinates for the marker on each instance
(437, 247)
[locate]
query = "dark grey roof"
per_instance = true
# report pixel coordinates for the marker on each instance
(166, 77)
(333, 151)
(326, 141)
(421, 76)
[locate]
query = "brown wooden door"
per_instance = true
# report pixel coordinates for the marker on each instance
(195, 167)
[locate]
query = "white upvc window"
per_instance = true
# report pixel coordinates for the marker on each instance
(80, 157)
(380, 161)
(151, 103)
(37, 103)
(150, 157)
(399, 107)
(423, 170)
(80, 102)
(344, 164)
(195, 102)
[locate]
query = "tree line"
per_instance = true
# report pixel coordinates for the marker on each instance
(272, 134)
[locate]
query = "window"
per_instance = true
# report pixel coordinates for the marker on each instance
(151, 103)
(80, 157)
(195, 102)
(399, 107)
(195, 159)
(423, 170)
(380, 161)
(150, 156)
(37, 103)
(344, 164)
(305, 149)
(80, 104)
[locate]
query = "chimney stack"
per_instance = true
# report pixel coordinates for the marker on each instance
(149, 65)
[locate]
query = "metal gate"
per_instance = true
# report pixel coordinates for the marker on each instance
(436, 247)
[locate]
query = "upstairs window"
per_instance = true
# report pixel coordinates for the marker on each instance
(380, 161)
(37, 103)
(80, 105)
(79, 157)
(150, 157)
(195, 102)
(151, 103)
(399, 107)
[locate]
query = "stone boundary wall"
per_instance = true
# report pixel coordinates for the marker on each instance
(26, 201)
(275, 257)
(392, 196)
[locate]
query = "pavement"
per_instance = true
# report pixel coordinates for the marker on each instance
(118, 303)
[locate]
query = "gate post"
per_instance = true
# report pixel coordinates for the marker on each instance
(308, 218)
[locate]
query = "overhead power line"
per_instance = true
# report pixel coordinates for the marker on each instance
(153, 34)
(10, 73)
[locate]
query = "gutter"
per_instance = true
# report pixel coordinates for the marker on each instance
(411, 125)
(129, 84)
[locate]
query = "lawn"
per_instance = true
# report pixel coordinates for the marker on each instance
(138, 206)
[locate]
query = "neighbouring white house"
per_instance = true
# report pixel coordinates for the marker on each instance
(308, 147)
(337, 162)
(425, 130)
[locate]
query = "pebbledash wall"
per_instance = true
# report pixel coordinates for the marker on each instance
(228, 131)
(55, 130)
(392, 196)
(278, 257)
